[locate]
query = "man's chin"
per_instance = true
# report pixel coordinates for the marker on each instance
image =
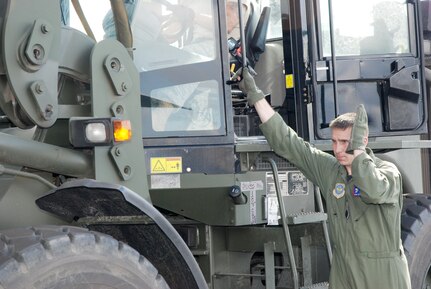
(343, 161)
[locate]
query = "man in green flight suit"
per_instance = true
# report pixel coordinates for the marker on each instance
(363, 195)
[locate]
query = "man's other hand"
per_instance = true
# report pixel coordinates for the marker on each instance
(359, 138)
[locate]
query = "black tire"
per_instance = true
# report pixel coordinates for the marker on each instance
(416, 237)
(70, 258)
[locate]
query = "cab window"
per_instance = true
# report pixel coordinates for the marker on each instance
(366, 27)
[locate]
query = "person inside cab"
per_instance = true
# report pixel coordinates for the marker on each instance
(232, 17)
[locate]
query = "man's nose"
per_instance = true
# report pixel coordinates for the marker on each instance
(338, 148)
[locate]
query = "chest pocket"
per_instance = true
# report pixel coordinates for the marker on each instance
(357, 208)
(372, 230)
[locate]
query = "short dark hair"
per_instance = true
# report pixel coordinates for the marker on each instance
(343, 121)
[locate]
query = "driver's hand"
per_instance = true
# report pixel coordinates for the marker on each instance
(248, 85)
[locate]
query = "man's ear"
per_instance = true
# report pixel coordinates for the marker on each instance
(365, 140)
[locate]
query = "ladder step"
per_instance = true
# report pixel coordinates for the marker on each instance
(324, 285)
(305, 218)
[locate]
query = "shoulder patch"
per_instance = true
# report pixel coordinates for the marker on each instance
(339, 190)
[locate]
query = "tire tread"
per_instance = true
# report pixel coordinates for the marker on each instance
(21, 250)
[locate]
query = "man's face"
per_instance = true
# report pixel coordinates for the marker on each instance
(232, 16)
(340, 142)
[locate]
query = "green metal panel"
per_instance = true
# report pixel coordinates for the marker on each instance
(38, 55)
(19, 200)
(200, 197)
(116, 94)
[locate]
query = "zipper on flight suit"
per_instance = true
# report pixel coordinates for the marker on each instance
(347, 211)
(347, 207)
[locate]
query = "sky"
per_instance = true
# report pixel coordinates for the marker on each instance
(94, 11)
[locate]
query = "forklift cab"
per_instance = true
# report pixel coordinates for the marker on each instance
(332, 60)
(181, 71)
(182, 53)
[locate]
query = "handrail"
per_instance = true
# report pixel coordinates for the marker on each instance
(333, 58)
(284, 223)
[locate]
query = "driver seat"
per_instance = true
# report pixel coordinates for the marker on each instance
(255, 33)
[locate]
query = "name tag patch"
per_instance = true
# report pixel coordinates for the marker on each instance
(356, 191)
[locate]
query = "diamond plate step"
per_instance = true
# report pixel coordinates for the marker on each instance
(324, 285)
(306, 218)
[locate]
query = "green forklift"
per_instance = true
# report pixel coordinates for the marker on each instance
(131, 160)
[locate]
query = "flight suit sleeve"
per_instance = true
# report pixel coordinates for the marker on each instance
(379, 181)
(313, 163)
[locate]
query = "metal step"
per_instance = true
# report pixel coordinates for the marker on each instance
(306, 218)
(324, 285)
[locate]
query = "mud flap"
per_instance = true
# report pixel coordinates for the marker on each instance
(157, 240)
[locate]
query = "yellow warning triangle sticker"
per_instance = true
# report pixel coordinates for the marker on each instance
(171, 165)
(158, 167)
